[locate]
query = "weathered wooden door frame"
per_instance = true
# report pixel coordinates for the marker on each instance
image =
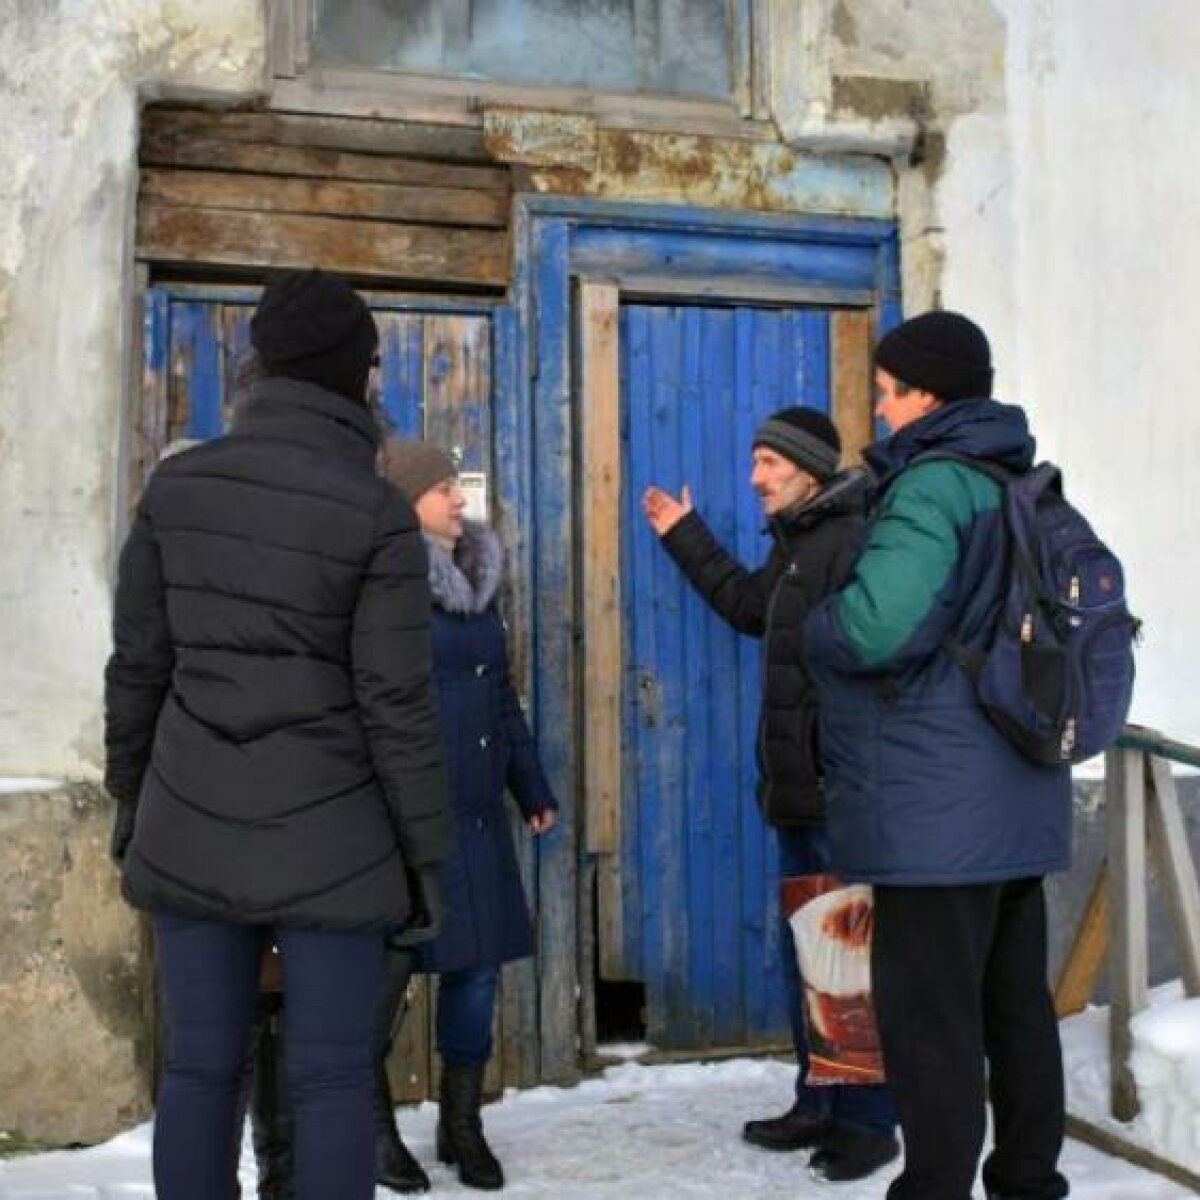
(606, 249)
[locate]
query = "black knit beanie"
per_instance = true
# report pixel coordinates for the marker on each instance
(315, 327)
(939, 352)
(803, 436)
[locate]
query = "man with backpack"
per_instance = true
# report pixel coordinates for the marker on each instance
(927, 799)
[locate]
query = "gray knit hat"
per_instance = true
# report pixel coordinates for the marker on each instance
(414, 467)
(806, 437)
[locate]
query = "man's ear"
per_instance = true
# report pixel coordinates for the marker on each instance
(930, 403)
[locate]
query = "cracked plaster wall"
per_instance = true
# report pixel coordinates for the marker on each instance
(71, 74)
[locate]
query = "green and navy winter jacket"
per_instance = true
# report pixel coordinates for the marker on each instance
(921, 788)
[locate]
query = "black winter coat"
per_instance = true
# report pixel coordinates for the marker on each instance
(488, 749)
(814, 552)
(269, 702)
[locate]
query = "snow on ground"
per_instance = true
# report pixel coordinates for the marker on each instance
(1166, 1065)
(662, 1133)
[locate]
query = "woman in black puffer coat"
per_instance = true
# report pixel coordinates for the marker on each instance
(272, 744)
(488, 749)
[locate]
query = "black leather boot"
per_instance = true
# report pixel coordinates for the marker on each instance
(460, 1137)
(270, 1112)
(794, 1130)
(395, 1166)
(845, 1157)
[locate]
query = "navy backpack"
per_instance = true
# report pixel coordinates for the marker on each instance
(1057, 676)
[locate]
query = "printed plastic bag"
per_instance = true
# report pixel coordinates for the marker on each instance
(832, 923)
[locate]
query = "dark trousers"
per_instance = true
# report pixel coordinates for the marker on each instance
(960, 981)
(465, 1003)
(855, 1107)
(210, 972)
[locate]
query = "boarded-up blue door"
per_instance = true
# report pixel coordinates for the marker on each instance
(697, 865)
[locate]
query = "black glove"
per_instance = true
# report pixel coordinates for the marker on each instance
(425, 919)
(122, 832)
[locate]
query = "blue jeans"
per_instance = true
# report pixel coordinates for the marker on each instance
(209, 972)
(856, 1107)
(466, 1000)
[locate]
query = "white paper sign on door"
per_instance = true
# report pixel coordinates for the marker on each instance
(474, 486)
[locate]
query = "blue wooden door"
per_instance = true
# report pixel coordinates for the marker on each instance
(698, 871)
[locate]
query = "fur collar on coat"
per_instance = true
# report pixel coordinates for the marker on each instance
(466, 581)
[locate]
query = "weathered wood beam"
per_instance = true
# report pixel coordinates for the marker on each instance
(167, 233)
(371, 136)
(325, 197)
(1125, 775)
(1111, 1142)
(601, 415)
(1089, 948)
(853, 405)
(1177, 870)
(178, 149)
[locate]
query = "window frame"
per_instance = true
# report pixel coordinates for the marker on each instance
(298, 84)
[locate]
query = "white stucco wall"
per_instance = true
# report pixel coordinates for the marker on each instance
(1069, 228)
(71, 72)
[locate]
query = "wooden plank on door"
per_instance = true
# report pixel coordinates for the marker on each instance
(170, 233)
(719, 492)
(150, 424)
(603, 660)
(667, 931)
(697, 681)
(238, 363)
(402, 377)
(601, 417)
(377, 137)
(421, 204)
(458, 388)
(760, 391)
(853, 402)
(213, 154)
(409, 1064)
(556, 663)
(510, 489)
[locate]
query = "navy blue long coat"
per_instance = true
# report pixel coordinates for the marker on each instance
(488, 748)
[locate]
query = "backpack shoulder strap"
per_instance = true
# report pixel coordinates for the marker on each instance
(1001, 475)
(969, 660)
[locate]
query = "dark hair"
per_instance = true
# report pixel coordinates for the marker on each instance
(905, 389)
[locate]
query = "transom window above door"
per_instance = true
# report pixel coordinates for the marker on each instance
(702, 63)
(665, 47)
